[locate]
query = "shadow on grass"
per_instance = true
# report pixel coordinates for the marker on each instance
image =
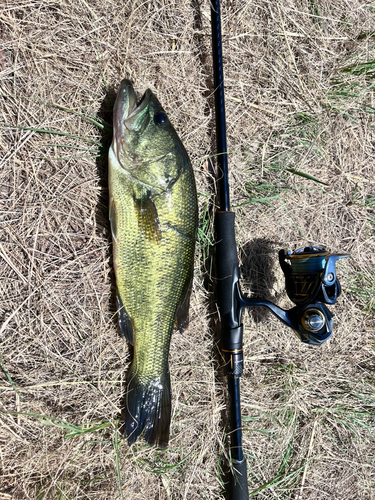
(105, 114)
(257, 271)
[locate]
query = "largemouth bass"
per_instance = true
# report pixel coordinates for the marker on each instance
(153, 214)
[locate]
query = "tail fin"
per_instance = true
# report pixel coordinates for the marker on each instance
(148, 406)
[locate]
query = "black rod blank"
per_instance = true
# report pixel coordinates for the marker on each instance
(221, 137)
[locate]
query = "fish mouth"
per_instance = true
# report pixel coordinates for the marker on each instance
(127, 112)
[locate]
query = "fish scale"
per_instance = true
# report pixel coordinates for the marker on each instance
(153, 213)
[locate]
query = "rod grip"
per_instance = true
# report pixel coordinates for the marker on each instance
(227, 272)
(226, 248)
(238, 482)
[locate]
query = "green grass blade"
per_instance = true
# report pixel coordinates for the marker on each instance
(52, 132)
(81, 429)
(298, 172)
(98, 122)
(2, 366)
(258, 200)
(118, 471)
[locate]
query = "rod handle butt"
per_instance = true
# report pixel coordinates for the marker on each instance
(238, 482)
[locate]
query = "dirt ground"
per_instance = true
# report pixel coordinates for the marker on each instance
(299, 89)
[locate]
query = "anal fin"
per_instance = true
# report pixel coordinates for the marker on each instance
(182, 313)
(124, 320)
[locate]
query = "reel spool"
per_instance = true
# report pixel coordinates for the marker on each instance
(311, 275)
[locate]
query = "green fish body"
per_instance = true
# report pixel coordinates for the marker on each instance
(153, 214)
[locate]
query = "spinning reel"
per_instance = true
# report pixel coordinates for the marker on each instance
(311, 283)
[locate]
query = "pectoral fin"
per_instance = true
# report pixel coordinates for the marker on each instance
(148, 218)
(112, 218)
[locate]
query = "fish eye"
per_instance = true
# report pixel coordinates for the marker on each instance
(160, 119)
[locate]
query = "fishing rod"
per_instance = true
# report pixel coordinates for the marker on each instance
(227, 274)
(310, 280)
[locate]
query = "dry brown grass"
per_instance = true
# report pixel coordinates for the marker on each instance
(308, 412)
